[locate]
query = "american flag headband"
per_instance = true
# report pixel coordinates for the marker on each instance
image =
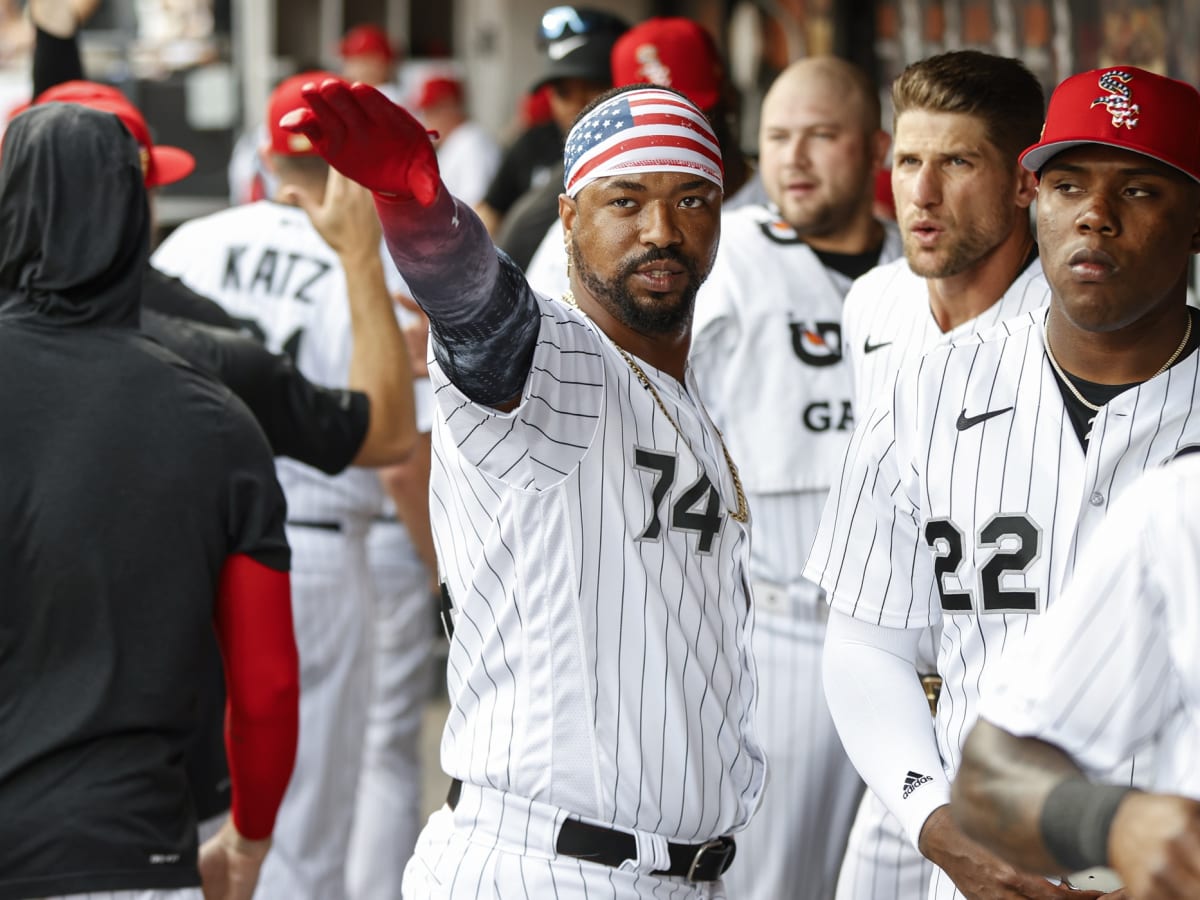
(645, 130)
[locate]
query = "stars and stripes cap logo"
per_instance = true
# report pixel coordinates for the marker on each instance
(642, 130)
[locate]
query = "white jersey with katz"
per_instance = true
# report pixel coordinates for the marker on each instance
(267, 266)
(603, 672)
(968, 499)
(888, 322)
(771, 307)
(1112, 668)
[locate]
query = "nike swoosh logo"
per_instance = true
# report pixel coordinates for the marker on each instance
(559, 49)
(868, 347)
(964, 421)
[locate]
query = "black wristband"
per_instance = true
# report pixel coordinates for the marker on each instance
(1076, 819)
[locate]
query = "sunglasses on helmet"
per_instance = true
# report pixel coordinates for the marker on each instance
(567, 21)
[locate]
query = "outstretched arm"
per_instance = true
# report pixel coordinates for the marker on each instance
(483, 316)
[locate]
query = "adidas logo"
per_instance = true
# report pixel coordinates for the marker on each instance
(914, 780)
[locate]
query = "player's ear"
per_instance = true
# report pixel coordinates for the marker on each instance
(1026, 187)
(567, 211)
(1195, 194)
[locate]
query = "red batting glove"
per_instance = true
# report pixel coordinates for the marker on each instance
(369, 139)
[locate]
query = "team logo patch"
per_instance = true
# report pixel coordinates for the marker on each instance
(817, 343)
(779, 231)
(914, 780)
(650, 67)
(1119, 99)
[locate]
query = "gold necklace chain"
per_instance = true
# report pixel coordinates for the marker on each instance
(1187, 333)
(742, 513)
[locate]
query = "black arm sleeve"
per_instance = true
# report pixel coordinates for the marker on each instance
(483, 316)
(321, 427)
(55, 60)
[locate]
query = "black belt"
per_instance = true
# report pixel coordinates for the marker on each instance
(322, 526)
(610, 847)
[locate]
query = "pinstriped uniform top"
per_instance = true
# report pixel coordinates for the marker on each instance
(1113, 666)
(968, 499)
(887, 322)
(600, 660)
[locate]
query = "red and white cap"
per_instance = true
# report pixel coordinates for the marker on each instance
(161, 165)
(1124, 107)
(672, 52)
(284, 99)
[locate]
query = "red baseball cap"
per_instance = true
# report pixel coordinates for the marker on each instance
(284, 99)
(1124, 107)
(161, 165)
(672, 52)
(438, 89)
(365, 40)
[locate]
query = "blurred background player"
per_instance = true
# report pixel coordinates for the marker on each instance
(680, 54)
(963, 200)
(771, 367)
(577, 43)
(467, 154)
(267, 264)
(142, 512)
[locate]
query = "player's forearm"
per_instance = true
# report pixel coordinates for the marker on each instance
(872, 688)
(379, 365)
(482, 314)
(55, 49)
(262, 680)
(1000, 791)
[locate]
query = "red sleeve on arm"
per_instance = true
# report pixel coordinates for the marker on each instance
(262, 680)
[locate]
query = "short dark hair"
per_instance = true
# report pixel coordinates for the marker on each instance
(1000, 91)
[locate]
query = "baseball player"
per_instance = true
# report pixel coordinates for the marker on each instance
(950, 108)
(1110, 668)
(591, 528)
(768, 356)
(267, 264)
(679, 53)
(141, 513)
(969, 496)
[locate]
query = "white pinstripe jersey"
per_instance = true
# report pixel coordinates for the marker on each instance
(267, 266)
(887, 322)
(969, 497)
(600, 659)
(1112, 668)
(769, 357)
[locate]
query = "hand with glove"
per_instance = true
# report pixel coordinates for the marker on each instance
(369, 139)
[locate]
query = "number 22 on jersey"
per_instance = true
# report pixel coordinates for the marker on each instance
(1015, 542)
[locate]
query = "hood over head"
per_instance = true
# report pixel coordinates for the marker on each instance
(74, 218)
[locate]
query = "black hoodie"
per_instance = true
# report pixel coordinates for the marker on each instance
(126, 480)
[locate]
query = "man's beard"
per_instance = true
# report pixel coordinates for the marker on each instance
(650, 316)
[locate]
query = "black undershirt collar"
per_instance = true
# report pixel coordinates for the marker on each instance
(1100, 394)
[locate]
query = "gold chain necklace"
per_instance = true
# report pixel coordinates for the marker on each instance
(742, 513)
(1187, 333)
